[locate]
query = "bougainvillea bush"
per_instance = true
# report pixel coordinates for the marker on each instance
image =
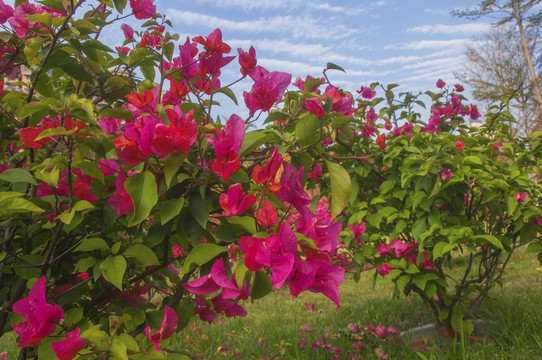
(437, 206)
(126, 205)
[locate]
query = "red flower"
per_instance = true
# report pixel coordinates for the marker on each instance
(267, 215)
(235, 202)
(247, 60)
(381, 141)
(440, 84)
(267, 173)
(314, 106)
(384, 269)
(213, 42)
(459, 145)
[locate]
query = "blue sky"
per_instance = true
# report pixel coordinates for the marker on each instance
(409, 42)
(412, 43)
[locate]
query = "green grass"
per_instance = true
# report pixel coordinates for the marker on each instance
(278, 319)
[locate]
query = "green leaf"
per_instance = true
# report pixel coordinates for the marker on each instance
(172, 165)
(143, 190)
(305, 130)
(119, 113)
(199, 208)
(32, 47)
(143, 255)
(418, 228)
(130, 342)
(253, 140)
(33, 108)
(490, 239)
(8, 207)
(511, 205)
(240, 273)
(331, 66)
(119, 350)
(229, 93)
(93, 244)
(72, 316)
(402, 282)
(341, 187)
(67, 217)
(200, 255)
(170, 208)
(113, 268)
(120, 5)
(535, 247)
(261, 286)
(246, 222)
(76, 71)
(17, 175)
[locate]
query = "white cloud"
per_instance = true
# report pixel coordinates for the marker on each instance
(470, 28)
(252, 4)
(429, 44)
(296, 27)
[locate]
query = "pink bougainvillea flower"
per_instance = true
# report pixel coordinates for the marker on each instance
(314, 106)
(227, 143)
(39, 314)
(267, 216)
(67, 349)
(316, 172)
(318, 228)
(474, 114)
(6, 12)
(459, 88)
(123, 49)
(143, 9)
(440, 84)
(358, 230)
(120, 200)
(383, 249)
(235, 202)
(267, 173)
(371, 115)
(459, 145)
(292, 190)
(366, 92)
(445, 174)
(247, 60)
(520, 197)
(178, 136)
(317, 277)
(169, 325)
(426, 263)
(384, 269)
(213, 42)
(276, 252)
(268, 88)
(128, 31)
(340, 103)
(217, 279)
(538, 220)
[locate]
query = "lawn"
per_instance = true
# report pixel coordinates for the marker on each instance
(282, 327)
(312, 327)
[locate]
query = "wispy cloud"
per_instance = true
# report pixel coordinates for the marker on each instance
(469, 28)
(429, 44)
(296, 27)
(249, 5)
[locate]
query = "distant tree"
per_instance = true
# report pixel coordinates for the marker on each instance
(523, 15)
(495, 68)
